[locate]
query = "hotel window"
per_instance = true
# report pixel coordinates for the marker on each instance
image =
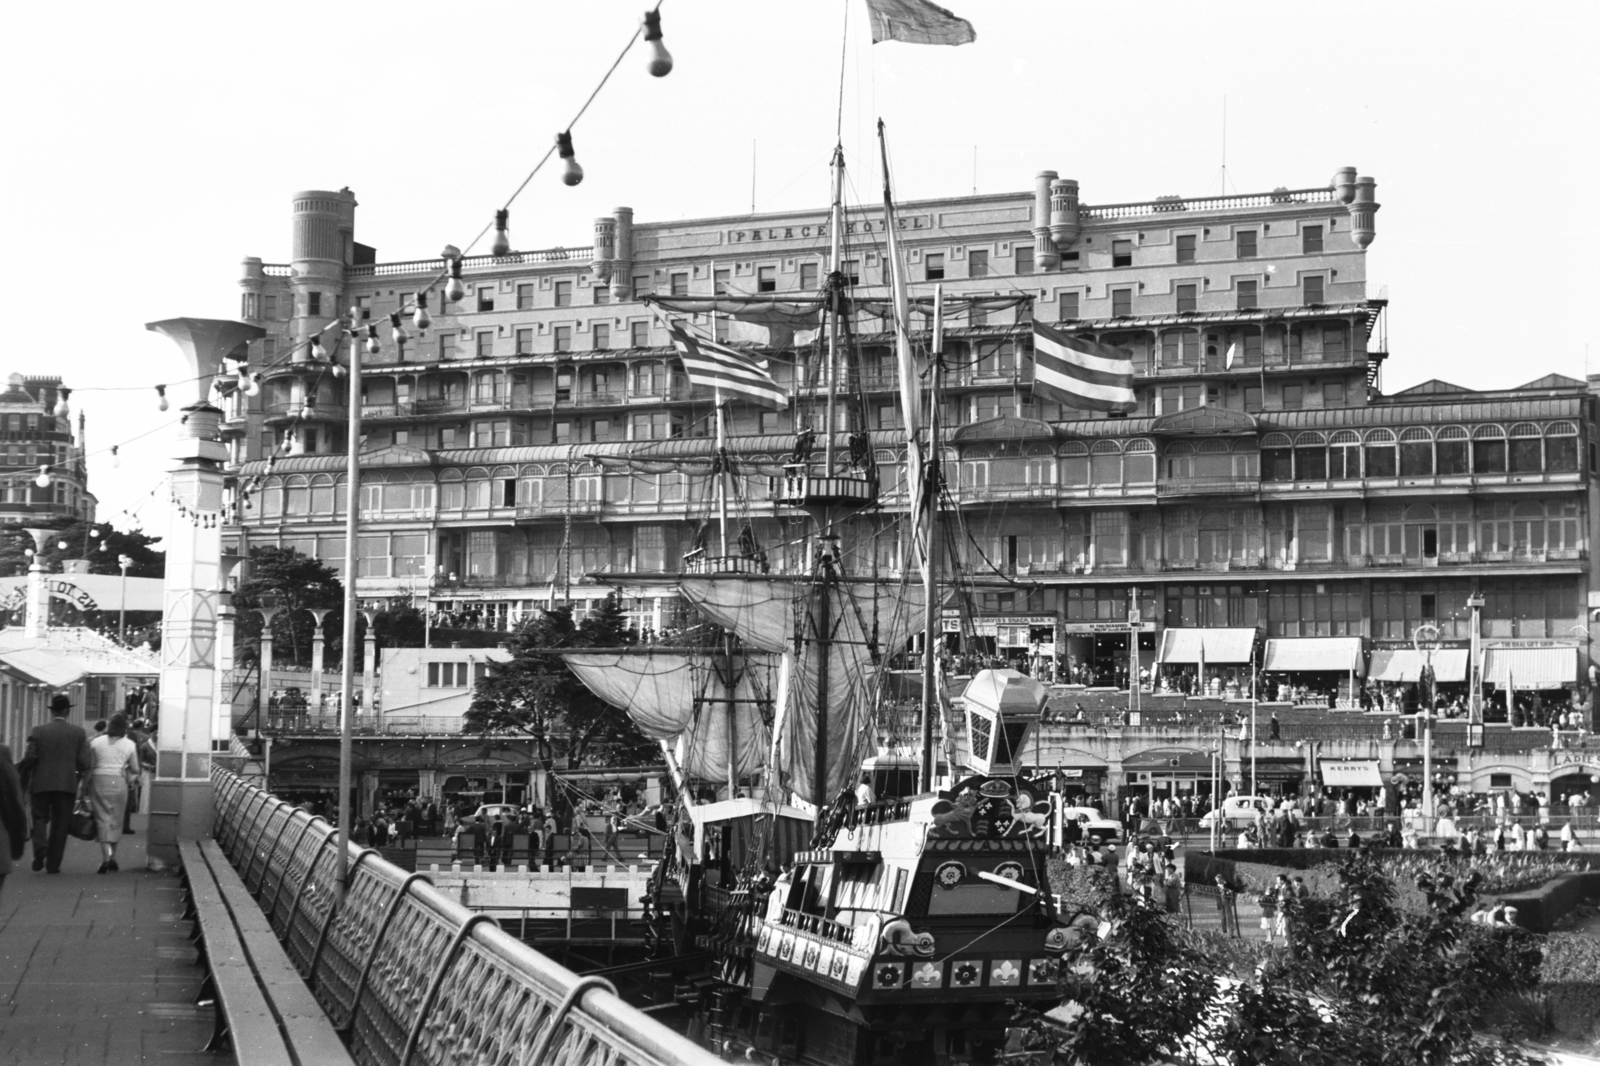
(485, 343)
(977, 264)
(680, 283)
(766, 279)
(719, 328)
(524, 342)
(562, 336)
(1024, 259)
(1244, 244)
(1333, 394)
(808, 277)
(1122, 253)
(1526, 452)
(774, 422)
(447, 346)
(313, 304)
(719, 282)
(1067, 307)
(851, 269)
(447, 675)
(1187, 298)
(1245, 295)
(486, 297)
(602, 294)
(562, 432)
(1121, 303)
(1294, 397)
(600, 333)
(933, 267)
(1252, 397)
(1311, 240)
(525, 297)
(1185, 245)
(269, 307)
(641, 286)
(639, 334)
(563, 294)
(1311, 290)
(364, 308)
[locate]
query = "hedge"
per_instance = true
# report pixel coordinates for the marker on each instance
(1541, 908)
(1570, 980)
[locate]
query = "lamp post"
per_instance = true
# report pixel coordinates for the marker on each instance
(1475, 673)
(123, 561)
(1425, 638)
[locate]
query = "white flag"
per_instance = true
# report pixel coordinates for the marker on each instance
(1233, 349)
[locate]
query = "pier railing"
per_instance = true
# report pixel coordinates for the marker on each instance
(411, 977)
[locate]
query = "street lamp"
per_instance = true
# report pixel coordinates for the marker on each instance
(123, 561)
(1425, 638)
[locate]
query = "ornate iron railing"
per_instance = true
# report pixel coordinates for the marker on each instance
(411, 977)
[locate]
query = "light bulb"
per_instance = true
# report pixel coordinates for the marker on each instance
(63, 409)
(161, 391)
(308, 409)
(338, 371)
(421, 320)
(660, 59)
(318, 352)
(61, 545)
(95, 533)
(397, 332)
(454, 290)
(502, 239)
(116, 461)
(252, 386)
(28, 552)
(373, 347)
(571, 173)
(43, 480)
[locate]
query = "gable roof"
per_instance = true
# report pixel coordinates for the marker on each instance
(1432, 386)
(1005, 427)
(1205, 421)
(1551, 381)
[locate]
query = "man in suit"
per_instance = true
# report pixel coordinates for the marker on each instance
(56, 760)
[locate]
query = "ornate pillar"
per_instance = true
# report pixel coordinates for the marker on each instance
(222, 695)
(36, 613)
(264, 660)
(181, 802)
(369, 662)
(317, 646)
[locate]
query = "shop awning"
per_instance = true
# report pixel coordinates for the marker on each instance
(1405, 664)
(1279, 768)
(1530, 668)
(1352, 773)
(1314, 654)
(1168, 759)
(1217, 645)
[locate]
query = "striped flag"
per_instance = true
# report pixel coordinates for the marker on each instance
(1080, 373)
(728, 370)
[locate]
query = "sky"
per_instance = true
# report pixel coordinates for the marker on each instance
(157, 144)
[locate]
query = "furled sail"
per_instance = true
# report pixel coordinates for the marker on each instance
(677, 696)
(867, 622)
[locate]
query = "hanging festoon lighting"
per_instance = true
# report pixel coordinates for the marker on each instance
(43, 480)
(373, 347)
(63, 409)
(397, 333)
(116, 459)
(571, 172)
(454, 289)
(318, 352)
(252, 384)
(308, 409)
(502, 239)
(660, 59)
(420, 319)
(161, 391)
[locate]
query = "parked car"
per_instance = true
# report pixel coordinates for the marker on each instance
(490, 811)
(1093, 823)
(1237, 812)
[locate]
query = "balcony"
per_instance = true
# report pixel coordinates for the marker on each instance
(600, 399)
(439, 406)
(1208, 486)
(549, 508)
(660, 393)
(993, 493)
(386, 410)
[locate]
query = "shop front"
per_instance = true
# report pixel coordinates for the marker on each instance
(1276, 776)
(1096, 653)
(1408, 776)
(1026, 643)
(1361, 778)
(1532, 684)
(1320, 671)
(1209, 662)
(1167, 773)
(1395, 680)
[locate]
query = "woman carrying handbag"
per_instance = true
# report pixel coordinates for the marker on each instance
(115, 768)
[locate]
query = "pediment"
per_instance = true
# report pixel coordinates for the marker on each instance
(1206, 421)
(1006, 427)
(396, 455)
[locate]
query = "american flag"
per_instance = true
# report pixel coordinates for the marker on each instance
(716, 366)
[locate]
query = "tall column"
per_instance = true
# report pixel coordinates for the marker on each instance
(222, 695)
(264, 660)
(181, 802)
(317, 646)
(36, 616)
(369, 663)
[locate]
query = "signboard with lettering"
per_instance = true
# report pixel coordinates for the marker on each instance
(819, 229)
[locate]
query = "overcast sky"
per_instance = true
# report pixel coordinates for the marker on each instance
(156, 144)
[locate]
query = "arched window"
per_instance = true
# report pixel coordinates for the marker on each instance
(1310, 457)
(271, 497)
(1179, 460)
(1105, 463)
(1139, 462)
(1561, 448)
(1074, 463)
(1525, 450)
(1416, 452)
(1489, 450)
(1344, 455)
(322, 494)
(1277, 458)
(1450, 451)
(297, 496)
(1562, 531)
(452, 490)
(1380, 459)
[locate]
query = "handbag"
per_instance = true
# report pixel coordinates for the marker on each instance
(81, 824)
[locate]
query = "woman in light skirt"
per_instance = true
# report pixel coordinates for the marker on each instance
(115, 766)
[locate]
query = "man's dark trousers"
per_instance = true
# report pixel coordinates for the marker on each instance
(51, 813)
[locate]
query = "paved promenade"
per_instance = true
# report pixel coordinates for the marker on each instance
(97, 970)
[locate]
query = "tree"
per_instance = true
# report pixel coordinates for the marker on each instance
(98, 542)
(284, 578)
(536, 693)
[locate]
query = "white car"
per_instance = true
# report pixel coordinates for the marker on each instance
(1093, 824)
(1238, 811)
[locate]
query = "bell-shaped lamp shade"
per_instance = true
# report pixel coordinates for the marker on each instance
(63, 409)
(660, 59)
(43, 480)
(421, 320)
(161, 392)
(502, 239)
(571, 172)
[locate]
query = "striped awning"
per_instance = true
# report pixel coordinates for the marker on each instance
(1530, 668)
(1405, 664)
(1314, 654)
(1214, 645)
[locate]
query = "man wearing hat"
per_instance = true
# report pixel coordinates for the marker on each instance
(56, 759)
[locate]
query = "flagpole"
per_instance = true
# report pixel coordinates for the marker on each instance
(835, 226)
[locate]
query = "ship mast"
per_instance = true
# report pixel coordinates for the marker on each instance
(930, 501)
(835, 298)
